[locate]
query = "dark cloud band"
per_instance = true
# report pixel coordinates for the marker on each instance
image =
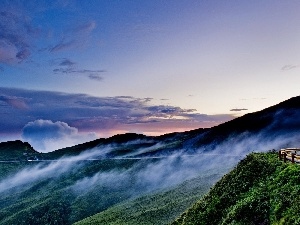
(238, 110)
(88, 113)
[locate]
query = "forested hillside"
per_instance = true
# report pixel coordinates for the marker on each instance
(260, 190)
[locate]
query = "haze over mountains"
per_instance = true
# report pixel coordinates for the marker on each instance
(70, 184)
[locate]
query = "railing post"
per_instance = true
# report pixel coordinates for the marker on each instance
(284, 157)
(293, 157)
(279, 155)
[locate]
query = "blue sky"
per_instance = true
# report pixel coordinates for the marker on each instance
(99, 68)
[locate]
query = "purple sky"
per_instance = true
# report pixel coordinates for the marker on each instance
(91, 69)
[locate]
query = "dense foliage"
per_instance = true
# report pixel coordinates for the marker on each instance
(260, 190)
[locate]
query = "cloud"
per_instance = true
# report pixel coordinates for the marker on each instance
(19, 34)
(104, 115)
(183, 164)
(15, 102)
(52, 170)
(74, 38)
(238, 110)
(289, 67)
(45, 135)
(8, 52)
(23, 54)
(84, 71)
(67, 62)
(95, 77)
(67, 66)
(16, 36)
(86, 28)
(92, 74)
(63, 62)
(63, 45)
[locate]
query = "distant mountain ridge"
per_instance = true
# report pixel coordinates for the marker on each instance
(282, 117)
(16, 150)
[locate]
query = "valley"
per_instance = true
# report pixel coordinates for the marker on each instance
(137, 179)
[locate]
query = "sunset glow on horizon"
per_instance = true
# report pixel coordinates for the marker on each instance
(80, 70)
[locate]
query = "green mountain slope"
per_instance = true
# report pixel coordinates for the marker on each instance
(57, 197)
(13, 156)
(159, 208)
(260, 190)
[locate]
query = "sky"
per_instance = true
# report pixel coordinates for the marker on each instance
(73, 71)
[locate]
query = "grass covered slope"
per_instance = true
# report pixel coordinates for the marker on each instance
(159, 208)
(260, 190)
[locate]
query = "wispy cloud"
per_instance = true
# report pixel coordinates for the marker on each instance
(86, 28)
(69, 70)
(63, 45)
(75, 37)
(16, 36)
(96, 77)
(19, 34)
(66, 62)
(15, 102)
(289, 67)
(238, 110)
(67, 66)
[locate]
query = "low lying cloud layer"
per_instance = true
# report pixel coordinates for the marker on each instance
(149, 175)
(144, 176)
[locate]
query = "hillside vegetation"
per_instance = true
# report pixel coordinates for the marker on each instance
(66, 191)
(260, 190)
(159, 208)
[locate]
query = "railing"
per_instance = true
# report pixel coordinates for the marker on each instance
(291, 154)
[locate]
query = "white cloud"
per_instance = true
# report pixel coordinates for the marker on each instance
(46, 136)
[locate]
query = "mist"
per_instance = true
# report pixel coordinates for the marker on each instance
(50, 169)
(130, 174)
(154, 173)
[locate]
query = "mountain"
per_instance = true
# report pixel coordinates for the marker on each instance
(126, 174)
(259, 190)
(16, 150)
(281, 118)
(281, 121)
(159, 208)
